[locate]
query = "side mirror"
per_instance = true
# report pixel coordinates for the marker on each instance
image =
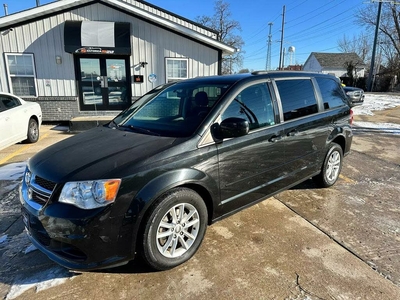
(230, 128)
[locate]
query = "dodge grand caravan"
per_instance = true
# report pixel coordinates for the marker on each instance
(183, 156)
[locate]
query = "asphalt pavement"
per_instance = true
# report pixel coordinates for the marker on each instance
(305, 243)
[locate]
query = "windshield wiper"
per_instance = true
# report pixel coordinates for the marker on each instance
(114, 124)
(138, 129)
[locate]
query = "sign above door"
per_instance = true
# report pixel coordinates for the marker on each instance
(89, 37)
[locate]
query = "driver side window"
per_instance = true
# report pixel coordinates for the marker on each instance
(253, 104)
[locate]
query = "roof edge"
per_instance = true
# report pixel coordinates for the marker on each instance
(26, 16)
(178, 16)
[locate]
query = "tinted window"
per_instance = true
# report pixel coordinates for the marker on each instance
(332, 93)
(8, 102)
(253, 104)
(297, 97)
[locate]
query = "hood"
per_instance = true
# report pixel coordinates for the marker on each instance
(350, 89)
(99, 153)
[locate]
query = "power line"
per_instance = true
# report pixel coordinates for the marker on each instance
(308, 19)
(316, 33)
(317, 25)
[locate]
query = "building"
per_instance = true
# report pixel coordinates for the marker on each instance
(335, 64)
(293, 68)
(93, 57)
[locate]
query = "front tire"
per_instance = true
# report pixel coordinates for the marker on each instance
(174, 229)
(33, 131)
(331, 168)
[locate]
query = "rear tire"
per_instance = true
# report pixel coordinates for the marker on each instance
(33, 131)
(331, 168)
(174, 229)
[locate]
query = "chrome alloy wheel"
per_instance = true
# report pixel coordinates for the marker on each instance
(333, 166)
(178, 230)
(34, 131)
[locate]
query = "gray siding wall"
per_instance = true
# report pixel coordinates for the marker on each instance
(150, 43)
(44, 39)
(171, 17)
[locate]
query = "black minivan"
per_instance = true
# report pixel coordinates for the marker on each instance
(183, 156)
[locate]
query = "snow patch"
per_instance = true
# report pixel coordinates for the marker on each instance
(40, 281)
(381, 126)
(3, 238)
(13, 171)
(30, 248)
(376, 102)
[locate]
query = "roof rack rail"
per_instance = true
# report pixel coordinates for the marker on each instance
(259, 72)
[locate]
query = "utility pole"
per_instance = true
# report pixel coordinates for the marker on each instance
(371, 69)
(282, 35)
(371, 78)
(268, 64)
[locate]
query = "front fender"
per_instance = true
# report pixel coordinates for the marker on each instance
(146, 196)
(166, 181)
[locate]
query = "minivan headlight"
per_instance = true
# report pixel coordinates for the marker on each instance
(90, 194)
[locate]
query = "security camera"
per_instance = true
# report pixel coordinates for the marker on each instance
(5, 32)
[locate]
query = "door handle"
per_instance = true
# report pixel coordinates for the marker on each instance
(275, 138)
(293, 132)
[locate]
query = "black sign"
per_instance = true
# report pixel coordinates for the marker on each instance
(73, 40)
(138, 78)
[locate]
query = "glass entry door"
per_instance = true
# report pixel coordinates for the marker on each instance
(104, 83)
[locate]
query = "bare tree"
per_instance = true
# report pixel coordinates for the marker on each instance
(244, 71)
(360, 44)
(351, 68)
(389, 39)
(226, 29)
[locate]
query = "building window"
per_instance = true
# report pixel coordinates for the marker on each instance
(177, 69)
(21, 74)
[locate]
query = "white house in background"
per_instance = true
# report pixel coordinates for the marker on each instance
(80, 58)
(335, 64)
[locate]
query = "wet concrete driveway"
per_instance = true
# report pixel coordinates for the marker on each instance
(305, 243)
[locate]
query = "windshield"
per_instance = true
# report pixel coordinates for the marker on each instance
(174, 110)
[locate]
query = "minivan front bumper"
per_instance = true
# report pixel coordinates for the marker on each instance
(75, 238)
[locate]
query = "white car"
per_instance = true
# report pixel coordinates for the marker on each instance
(19, 120)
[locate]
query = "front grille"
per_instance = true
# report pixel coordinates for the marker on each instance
(39, 198)
(44, 183)
(40, 190)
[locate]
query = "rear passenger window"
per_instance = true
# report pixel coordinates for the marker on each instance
(8, 102)
(331, 92)
(297, 97)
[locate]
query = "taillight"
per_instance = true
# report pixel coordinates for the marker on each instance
(351, 117)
